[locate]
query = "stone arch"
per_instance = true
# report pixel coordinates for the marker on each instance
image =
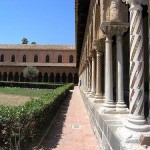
(47, 59)
(57, 78)
(51, 77)
(24, 58)
(2, 58)
(10, 76)
(36, 58)
(40, 77)
(45, 77)
(64, 78)
(76, 78)
(22, 78)
(13, 58)
(59, 59)
(16, 76)
(71, 59)
(5, 76)
(70, 78)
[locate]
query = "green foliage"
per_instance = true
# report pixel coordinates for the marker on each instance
(20, 124)
(33, 43)
(30, 72)
(39, 85)
(24, 41)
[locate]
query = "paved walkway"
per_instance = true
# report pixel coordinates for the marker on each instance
(71, 129)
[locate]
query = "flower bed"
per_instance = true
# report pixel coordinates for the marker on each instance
(19, 124)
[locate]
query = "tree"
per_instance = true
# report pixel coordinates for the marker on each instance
(30, 72)
(33, 43)
(24, 41)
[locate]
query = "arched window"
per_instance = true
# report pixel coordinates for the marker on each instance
(59, 59)
(24, 59)
(36, 58)
(13, 59)
(47, 59)
(71, 59)
(2, 58)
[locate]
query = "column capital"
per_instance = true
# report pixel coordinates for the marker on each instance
(114, 28)
(136, 2)
(98, 45)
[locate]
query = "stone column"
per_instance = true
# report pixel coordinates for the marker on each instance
(97, 46)
(109, 104)
(93, 90)
(89, 75)
(120, 90)
(136, 120)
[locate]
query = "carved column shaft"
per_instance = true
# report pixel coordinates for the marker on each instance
(93, 89)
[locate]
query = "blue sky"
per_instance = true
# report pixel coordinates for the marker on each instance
(42, 21)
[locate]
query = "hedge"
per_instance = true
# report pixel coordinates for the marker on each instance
(19, 124)
(29, 85)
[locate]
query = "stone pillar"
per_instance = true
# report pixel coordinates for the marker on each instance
(136, 120)
(109, 104)
(93, 90)
(89, 75)
(97, 46)
(120, 90)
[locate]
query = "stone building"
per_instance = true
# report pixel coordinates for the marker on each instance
(56, 63)
(112, 41)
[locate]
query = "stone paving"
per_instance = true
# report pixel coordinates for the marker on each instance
(71, 129)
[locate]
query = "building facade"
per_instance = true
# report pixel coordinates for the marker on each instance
(112, 40)
(56, 63)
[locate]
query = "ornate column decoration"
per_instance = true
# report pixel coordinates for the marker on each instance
(136, 120)
(93, 88)
(97, 46)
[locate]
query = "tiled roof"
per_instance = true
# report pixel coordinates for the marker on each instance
(36, 47)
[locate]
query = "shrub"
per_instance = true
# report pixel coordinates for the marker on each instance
(21, 123)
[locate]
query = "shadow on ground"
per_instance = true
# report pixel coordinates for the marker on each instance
(55, 133)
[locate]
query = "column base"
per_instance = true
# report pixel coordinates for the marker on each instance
(129, 136)
(121, 107)
(108, 107)
(137, 123)
(98, 98)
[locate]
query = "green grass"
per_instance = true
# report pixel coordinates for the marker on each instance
(24, 91)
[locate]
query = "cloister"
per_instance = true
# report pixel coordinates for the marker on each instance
(112, 40)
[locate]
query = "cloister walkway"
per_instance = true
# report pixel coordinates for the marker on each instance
(71, 130)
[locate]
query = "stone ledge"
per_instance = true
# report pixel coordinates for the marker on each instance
(105, 127)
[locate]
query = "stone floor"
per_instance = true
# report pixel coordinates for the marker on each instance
(71, 130)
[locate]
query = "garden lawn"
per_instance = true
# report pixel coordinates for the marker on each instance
(18, 96)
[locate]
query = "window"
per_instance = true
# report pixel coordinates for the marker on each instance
(2, 58)
(47, 59)
(36, 58)
(59, 59)
(13, 59)
(24, 58)
(71, 59)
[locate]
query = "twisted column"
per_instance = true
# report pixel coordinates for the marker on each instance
(136, 97)
(98, 96)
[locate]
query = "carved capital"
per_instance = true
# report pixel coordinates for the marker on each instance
(97, 45)
(136, 2)
(114, 28)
